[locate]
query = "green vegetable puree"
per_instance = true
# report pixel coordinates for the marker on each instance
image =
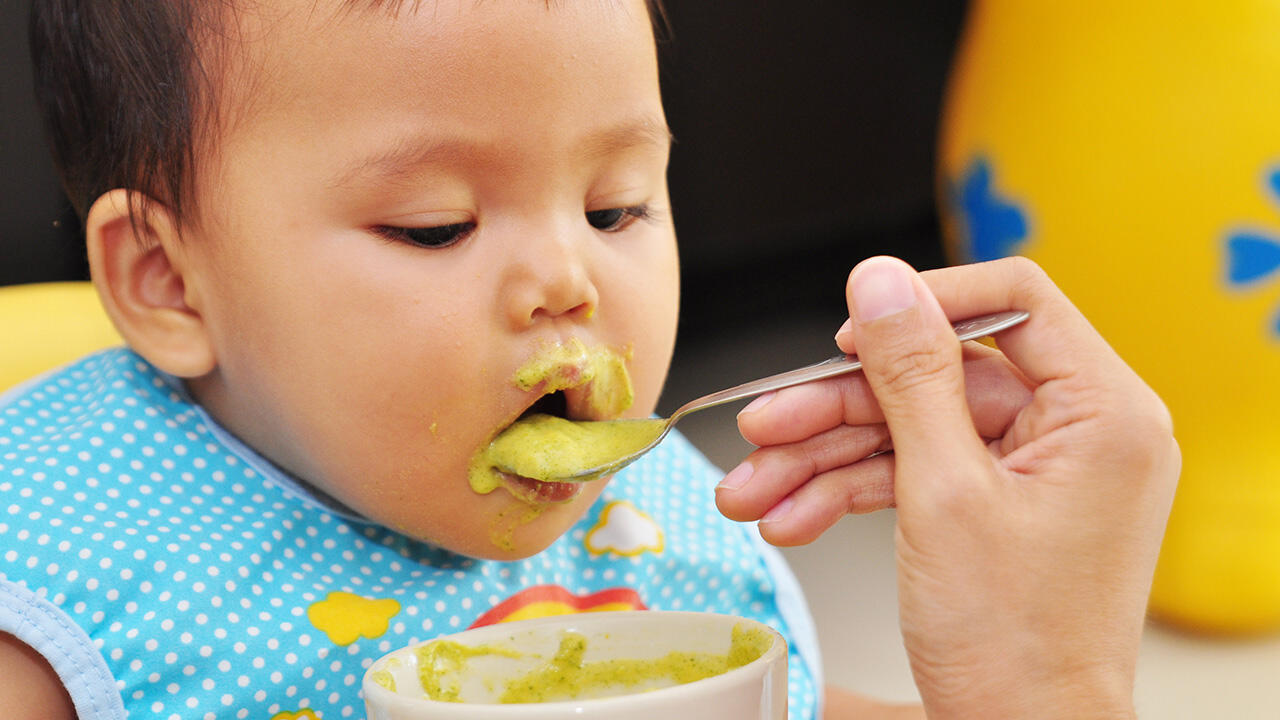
(544, 447)
(385, 679)
(566, 675)
(601, 371)
(440, 662)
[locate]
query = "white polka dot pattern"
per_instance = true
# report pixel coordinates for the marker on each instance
(213, 589)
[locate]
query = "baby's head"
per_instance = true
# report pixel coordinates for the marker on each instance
(347, 224)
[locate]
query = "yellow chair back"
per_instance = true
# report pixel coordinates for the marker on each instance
(44, 325)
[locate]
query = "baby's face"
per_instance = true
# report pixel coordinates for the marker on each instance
(402, 211)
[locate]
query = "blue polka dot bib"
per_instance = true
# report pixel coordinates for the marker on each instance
(167, 571)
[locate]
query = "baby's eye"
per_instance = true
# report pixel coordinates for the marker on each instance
(615, 219)
(439, 236)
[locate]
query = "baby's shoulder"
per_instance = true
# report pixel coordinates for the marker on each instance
(109, 381)
(106, 409)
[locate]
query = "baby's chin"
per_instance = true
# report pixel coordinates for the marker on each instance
(510, 527)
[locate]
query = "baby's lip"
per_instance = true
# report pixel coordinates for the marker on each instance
(540, 492)
(577, 391)
(591, 379)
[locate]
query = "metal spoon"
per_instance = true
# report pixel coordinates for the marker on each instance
(839, 365)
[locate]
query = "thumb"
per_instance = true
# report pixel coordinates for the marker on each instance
(912, 361)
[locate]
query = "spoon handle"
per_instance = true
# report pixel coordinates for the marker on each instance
(970, 329)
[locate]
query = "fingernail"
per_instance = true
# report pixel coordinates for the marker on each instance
(756, 404)
(779, 511)
(881, 287)
(737, 477)
(845, 330)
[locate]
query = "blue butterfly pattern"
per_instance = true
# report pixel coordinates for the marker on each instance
(992, 226)
(1252, 256)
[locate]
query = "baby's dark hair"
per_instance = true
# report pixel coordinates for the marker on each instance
(127, 90)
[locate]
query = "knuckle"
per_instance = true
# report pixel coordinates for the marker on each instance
(916, 368)
(1026, 279)
(1022, 264)
(1151, 428)
(800, 462)
(1136, 430)
(873, 490)
(1024, 270)
(1158, 420)
(1175, 462)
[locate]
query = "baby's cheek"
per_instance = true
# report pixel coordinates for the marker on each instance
(657, 349)
(648, 376)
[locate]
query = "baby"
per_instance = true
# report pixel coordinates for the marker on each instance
(348, 242)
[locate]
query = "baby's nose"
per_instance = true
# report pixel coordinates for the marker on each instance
(549, 278)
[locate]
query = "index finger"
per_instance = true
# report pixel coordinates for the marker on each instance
(994, 388)
(1057, 341)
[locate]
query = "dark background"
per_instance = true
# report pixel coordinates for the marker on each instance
(805, 135)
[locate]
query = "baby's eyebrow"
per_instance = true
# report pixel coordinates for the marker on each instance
(397, 161)
(641, 132)
(401, 159)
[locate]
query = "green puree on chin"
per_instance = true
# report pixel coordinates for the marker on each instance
(566, 675)
(545, 447)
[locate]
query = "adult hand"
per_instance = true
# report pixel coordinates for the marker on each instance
(1032, 484)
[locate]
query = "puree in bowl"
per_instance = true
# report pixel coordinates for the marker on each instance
(567, 675)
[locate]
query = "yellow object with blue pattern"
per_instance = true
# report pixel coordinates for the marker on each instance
(1132, 150)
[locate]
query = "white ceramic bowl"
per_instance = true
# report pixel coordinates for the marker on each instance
(754, 691)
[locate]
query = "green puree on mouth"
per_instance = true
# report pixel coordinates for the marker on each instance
(566, 675)
(601, 370)
(545, 447)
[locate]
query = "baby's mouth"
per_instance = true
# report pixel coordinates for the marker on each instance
(573, 383)
(553, 403)
(540, 491)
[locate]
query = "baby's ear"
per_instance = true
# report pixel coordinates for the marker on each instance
(138, 266)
